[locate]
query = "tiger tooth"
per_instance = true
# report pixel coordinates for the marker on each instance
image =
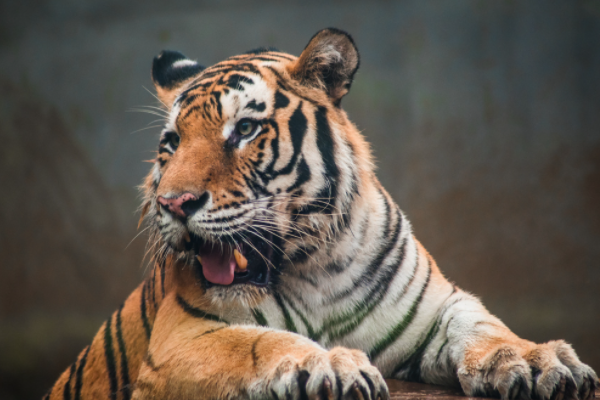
(186, 236)
(241, 261)
(199, 259)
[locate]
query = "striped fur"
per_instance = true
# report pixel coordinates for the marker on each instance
(347, 270)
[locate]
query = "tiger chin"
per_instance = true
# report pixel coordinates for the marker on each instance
(283, 269)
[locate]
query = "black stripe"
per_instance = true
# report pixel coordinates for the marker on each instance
(289, 322)
(321, 204)
(217, 97)
(260, 107)
(257, 189)
(150, 363)
(449, 306)
(412, 278)
(124, 363)
(188, 112)
(226, 219)
(235, 81)
(260, 54)
(275, 53)
(281, 100)
(371, 271)
(202, 84)
(226, 67)
(162, 280)
(79, 376)
(268, 59)
(346, 207)
(274, 149)
(326, 147)
(309, 329)
(184, 102)
(247, 67)
(301, 254)
(143, 311)
(207, 333)
(196, 312)
(354, 318)
(67, 388)
(439, 353)
(297, 126)
(231, 229)
(253, 351)
(259, 317)
(399, 328)
(307, 277)
(410, 369)
(207, 111)
(214, 71)
(166, 137)
(288, 88)
(303, 175)
(154, 288)
(110, 359)
(261, 144)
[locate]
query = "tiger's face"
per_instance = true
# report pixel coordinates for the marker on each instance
(252, 162)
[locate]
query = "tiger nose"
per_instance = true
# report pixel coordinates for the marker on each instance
(185, 205)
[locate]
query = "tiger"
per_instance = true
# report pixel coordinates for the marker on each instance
(282, 268)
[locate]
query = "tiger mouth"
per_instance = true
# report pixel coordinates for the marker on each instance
(222, 263)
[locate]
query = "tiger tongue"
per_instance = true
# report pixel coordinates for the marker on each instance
(218, 267)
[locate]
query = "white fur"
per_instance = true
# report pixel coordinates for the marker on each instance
(183, 63)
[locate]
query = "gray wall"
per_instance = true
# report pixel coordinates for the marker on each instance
(484, 117)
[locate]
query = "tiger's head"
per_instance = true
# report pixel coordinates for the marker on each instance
(258, 166)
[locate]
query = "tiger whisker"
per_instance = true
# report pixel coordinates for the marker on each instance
(295, 226)
(156, 97)
(304, 251)
(145, 128)
(152, 112)
(136, 236)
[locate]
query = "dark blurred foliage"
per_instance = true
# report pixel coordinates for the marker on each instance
(484, 117)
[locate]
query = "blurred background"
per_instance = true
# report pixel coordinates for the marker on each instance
(484, 117)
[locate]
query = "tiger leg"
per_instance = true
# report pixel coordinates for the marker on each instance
(490, 360)
(195, 355)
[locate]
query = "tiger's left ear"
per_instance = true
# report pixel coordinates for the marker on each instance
(171, 70)
(329, 62)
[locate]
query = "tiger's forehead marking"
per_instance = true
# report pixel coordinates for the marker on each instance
(250, 99)
(233, 89)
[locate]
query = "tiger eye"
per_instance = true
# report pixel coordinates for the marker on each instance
(245, 127)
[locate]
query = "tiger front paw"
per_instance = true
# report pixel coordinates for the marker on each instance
(549, 371)
(336, 374)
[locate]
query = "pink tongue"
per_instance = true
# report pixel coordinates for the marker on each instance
(218, 268)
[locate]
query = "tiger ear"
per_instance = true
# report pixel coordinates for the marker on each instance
(170, 71)
(329, 62)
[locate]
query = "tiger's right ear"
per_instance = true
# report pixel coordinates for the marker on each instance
(170, 71)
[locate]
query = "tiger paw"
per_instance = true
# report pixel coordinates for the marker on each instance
(550, 371)
(336, 374)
